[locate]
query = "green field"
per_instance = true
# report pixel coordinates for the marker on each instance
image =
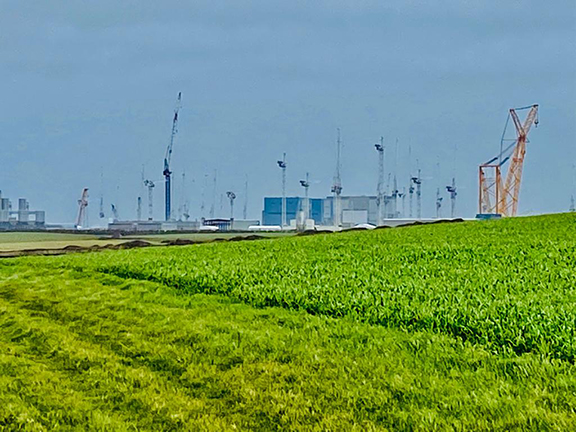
(23, 241)
(468, 326)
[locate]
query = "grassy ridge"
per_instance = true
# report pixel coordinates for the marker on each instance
(87, 351)
(508, 285)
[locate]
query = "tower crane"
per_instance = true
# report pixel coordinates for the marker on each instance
(82, 204)
(150, 185)
(306, 185)
(496, 196)
(380, 188)
(231, 196)
(167, 173)
(451, 189)
(282, 165)
(337, 186)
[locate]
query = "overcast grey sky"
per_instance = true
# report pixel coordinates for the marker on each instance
(90, 85)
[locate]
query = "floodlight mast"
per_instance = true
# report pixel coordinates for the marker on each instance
(380, 189)
(282, 165)
(337, 186)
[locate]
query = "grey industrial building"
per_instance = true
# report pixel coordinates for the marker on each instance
(22, 218)
(355, 210)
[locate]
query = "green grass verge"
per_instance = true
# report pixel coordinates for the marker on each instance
(87, 351)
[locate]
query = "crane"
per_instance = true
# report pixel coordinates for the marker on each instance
(150, 185)
(451, 189)
(82, 204)
(114, 212)
(380, 188)
(167, 173)
(231, 196)
(306, 185)
(496, 196)
(282, 165)
(337, 186)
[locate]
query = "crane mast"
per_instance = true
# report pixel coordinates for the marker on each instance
(167, 173)
(337, 186)
(82, 204)
(496, 195)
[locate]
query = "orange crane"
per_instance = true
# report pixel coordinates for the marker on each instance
(498, 197)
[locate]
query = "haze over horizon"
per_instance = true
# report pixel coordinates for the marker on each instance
(89, 87)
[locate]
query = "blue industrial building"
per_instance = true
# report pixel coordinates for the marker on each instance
(272, 213)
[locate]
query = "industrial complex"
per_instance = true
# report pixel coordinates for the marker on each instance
(21, 218)
(498, 196)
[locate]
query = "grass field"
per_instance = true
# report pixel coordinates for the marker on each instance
(449, 327)
(21, 241)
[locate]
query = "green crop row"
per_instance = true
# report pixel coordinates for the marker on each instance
(508, 285)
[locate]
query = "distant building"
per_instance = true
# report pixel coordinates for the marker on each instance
(272, 213)
(355, 210)
(20, 219)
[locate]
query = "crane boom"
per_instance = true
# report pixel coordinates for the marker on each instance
(82, 204)
(499, 196)
(167, 173)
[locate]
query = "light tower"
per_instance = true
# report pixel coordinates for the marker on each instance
(337, 187)
(150, 185)
(282, 165)
(231, 196)
(453, 193)
(380, 189)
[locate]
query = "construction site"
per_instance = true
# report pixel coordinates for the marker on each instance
(396, 201)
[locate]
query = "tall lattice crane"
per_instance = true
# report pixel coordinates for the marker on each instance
(496, 196)
(167, 173)
(282, 165)
(337, 186)
(82, 204)
(380, 188)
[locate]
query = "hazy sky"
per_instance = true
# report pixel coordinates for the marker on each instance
(90, 86)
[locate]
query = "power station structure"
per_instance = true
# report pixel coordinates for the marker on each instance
(22, 218)
(498, 197)
(167, 173)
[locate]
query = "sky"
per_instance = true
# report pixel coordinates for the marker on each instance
(89, 88)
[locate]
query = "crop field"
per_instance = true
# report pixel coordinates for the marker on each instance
(468, 326)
